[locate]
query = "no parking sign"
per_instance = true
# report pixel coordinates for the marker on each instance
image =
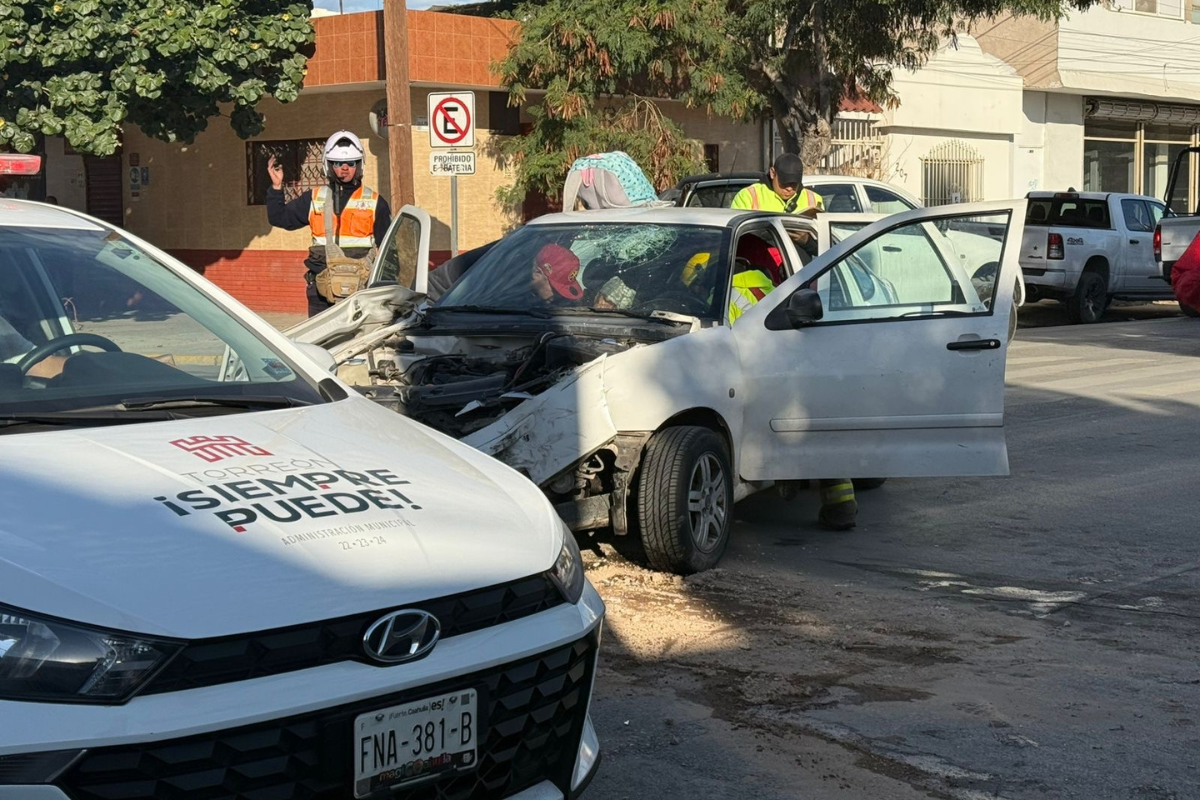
(452, 119)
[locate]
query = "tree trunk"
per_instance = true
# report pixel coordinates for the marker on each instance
(806, 96)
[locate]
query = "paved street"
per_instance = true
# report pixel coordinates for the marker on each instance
(1027, 637)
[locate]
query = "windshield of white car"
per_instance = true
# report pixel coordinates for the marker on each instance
(89, 320)
(635, 268)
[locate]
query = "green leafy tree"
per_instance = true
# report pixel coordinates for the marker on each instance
(790, 60)
(84, 68)
(807, 55)
(599, 62)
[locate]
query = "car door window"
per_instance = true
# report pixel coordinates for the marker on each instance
(404, 249)
(1157, 211)
(715, 196)
(839, 198)
(804, 239)
(909, 272)
(1137, 216)
(759, 266)
(884, 202)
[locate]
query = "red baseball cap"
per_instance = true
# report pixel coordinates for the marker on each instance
(561, 268)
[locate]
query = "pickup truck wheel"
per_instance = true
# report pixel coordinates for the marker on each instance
(863, 484)
(1090, 299)
(1188, 311)
(685, 499)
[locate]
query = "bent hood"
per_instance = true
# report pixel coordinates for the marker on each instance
(227, 524)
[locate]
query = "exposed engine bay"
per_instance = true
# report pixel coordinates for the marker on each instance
(459, 385)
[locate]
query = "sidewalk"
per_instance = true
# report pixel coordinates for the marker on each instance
(282, 320)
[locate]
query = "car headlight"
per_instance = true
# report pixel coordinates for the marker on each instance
(567, 571)
(48, 660)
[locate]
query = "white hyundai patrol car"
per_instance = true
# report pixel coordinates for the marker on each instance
(223, 575)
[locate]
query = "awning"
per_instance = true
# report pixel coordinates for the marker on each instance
(1136, 111)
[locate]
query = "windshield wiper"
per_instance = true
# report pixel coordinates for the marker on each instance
(945, 312)
(478, 309)
(73, 419)
(197, 401)
(621, 312)
(652, 316)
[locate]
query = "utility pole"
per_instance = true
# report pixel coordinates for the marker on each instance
(399, 102)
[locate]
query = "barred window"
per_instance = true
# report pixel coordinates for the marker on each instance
(951, 173)
(302, 168)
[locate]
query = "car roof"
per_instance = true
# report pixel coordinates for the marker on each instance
(812, 180)
(669, 215)
(28, 214)
(721, 176)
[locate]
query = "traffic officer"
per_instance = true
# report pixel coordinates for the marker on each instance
(786, 193)
(348, 222)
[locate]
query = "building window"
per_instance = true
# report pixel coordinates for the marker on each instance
(712, 157)
(1162, 8)
(951, 173)
(303, 169)
(1110, 156)
(1137, 157)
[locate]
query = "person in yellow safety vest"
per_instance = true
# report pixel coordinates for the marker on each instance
(359, 220)
(839, 508)
(785, 193)
(749, 287)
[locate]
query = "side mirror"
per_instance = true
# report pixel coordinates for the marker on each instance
(323, 358)
(804, 308)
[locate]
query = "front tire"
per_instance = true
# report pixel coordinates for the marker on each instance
(866, 484)
(1090, 300)
(685, 499)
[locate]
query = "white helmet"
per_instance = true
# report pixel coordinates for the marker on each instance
(343, 146)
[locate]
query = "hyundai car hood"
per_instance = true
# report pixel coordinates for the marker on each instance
(232, 523)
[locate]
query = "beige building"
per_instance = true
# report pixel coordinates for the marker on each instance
(1112, 95)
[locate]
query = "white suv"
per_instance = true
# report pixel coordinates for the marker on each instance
(224, 575)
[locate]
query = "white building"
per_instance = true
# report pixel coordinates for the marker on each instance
(1112, 95)
(956, 134)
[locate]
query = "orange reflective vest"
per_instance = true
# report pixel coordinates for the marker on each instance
(356, 226)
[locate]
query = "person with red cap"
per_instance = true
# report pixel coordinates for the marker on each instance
(555, 275)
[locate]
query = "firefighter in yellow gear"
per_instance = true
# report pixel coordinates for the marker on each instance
(749, 287)
(786, 194)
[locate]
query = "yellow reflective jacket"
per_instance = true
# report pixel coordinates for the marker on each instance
(748, 288)
(761, 197)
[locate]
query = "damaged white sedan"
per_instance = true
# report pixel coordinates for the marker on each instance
(649, 367)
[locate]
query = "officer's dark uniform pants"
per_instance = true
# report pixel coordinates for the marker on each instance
(316, 303)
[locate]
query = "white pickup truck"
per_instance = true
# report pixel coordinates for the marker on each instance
(1175, 232)
(1088, 248)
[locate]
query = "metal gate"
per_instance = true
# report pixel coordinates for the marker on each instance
(951, 173)
(855, 148)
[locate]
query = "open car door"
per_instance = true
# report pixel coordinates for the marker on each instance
(397, 283)
(404, 256)
(884, 356)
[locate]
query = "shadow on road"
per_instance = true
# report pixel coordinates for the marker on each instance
(1024, 637)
